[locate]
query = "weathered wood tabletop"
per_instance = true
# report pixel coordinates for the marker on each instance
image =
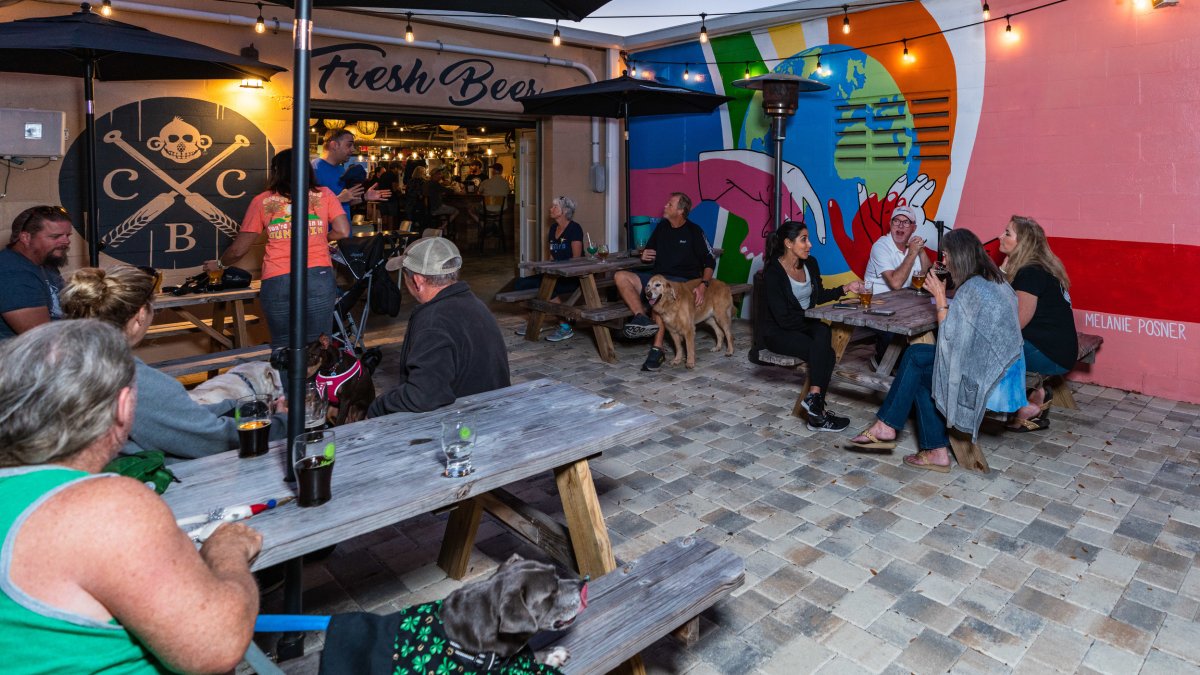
(221, 302)
(389, 468)
(586, 271)
(915, 314)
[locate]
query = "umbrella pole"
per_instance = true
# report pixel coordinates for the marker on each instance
(628, 168)
(291, 645)
(92, 226)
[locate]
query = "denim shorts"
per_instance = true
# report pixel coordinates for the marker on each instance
(322, 295)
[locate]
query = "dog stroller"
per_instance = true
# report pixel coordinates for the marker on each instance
(363, 259)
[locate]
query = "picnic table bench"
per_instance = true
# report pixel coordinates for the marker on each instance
(211, 363)
(1061, 393)
(631, 607)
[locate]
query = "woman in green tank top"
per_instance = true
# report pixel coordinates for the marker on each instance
(94, 575)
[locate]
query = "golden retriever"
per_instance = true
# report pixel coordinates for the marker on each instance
(675, 302)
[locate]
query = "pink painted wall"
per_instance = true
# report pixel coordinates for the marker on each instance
(1091, 124)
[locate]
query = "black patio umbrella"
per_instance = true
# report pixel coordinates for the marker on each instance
(92, 47)
(623, 97)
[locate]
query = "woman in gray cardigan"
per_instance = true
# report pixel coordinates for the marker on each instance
(166, 418)
(979, 338)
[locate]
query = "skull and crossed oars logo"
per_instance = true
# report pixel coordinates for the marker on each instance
(180, 142)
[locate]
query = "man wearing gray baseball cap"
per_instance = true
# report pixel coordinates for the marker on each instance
(453, 346)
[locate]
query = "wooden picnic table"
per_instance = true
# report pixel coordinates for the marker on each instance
(916, 320)
(389, 469)
(593, 310)
(222, 302)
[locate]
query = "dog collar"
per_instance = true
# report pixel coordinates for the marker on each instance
(243, 378)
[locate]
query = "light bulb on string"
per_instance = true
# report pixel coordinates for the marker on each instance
(987, 11)
(633, 70)
(747, 71)
(908, 58)
(686, 74)
(260, 25)
(1009, 33)
(703, 29)
(845, 19)
(106, 8)
(557, 39)
(408, 31)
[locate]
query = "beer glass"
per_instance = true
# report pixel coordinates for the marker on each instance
(253, 416)
(918, 281)
(865, 295)
(313, 453)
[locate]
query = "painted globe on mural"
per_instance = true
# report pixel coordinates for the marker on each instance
(174, 179)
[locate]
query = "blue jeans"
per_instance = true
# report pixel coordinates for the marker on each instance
(913, 388)
(1037, 362)
(322, 295)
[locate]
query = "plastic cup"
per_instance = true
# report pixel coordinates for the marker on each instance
(313, 453)
(458, 441)
(253, 416)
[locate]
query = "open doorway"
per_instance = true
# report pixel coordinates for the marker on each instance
(463, 176)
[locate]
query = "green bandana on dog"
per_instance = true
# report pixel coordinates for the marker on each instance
(422, 648)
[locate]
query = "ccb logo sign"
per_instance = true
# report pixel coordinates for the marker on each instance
(175, 176)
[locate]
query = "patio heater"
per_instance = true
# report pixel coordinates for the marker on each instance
(780, 99)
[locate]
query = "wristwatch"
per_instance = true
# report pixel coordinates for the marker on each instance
(706, 282)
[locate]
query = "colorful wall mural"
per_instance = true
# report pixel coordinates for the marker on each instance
(1081, 120)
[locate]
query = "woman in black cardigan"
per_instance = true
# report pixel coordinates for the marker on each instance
(791, 283)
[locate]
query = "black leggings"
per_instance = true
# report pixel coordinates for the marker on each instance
(813, 344)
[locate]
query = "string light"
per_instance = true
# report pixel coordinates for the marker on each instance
(260, 25)
(633, 69)
(408, 31)
(686, 75)
(703, 29)
(908, 58)
(845, 19)
(647, 67)
(106, 8)
(987, 11)
(1008, 31)
(557, 39)
(747, 71)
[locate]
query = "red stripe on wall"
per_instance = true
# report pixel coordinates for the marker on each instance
(1132, 278)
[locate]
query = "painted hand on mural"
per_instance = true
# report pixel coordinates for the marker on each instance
(742, 182)
(874, 216)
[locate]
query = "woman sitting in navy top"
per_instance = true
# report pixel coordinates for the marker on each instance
(792, 284)
(565, 241)
(1044, 310)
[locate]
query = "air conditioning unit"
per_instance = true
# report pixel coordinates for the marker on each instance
(1164, 3)
(32, 133)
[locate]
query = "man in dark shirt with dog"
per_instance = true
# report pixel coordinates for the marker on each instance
(41, 237)
(680, 252)
(453, 346)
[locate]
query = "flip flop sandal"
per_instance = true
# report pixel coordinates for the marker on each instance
(873, 443)
(921, 461)
(1033, 424)
(1047, 395)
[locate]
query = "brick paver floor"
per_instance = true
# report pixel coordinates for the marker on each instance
(1075, 554)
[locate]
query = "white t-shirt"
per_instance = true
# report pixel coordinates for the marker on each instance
(885, 257)
(802, 290)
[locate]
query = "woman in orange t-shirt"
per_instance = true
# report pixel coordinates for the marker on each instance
(272, 211)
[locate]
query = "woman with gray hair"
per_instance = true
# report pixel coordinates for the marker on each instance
(564, 241)
(94, 574)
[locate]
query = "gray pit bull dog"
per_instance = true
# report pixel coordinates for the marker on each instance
(483, 627)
